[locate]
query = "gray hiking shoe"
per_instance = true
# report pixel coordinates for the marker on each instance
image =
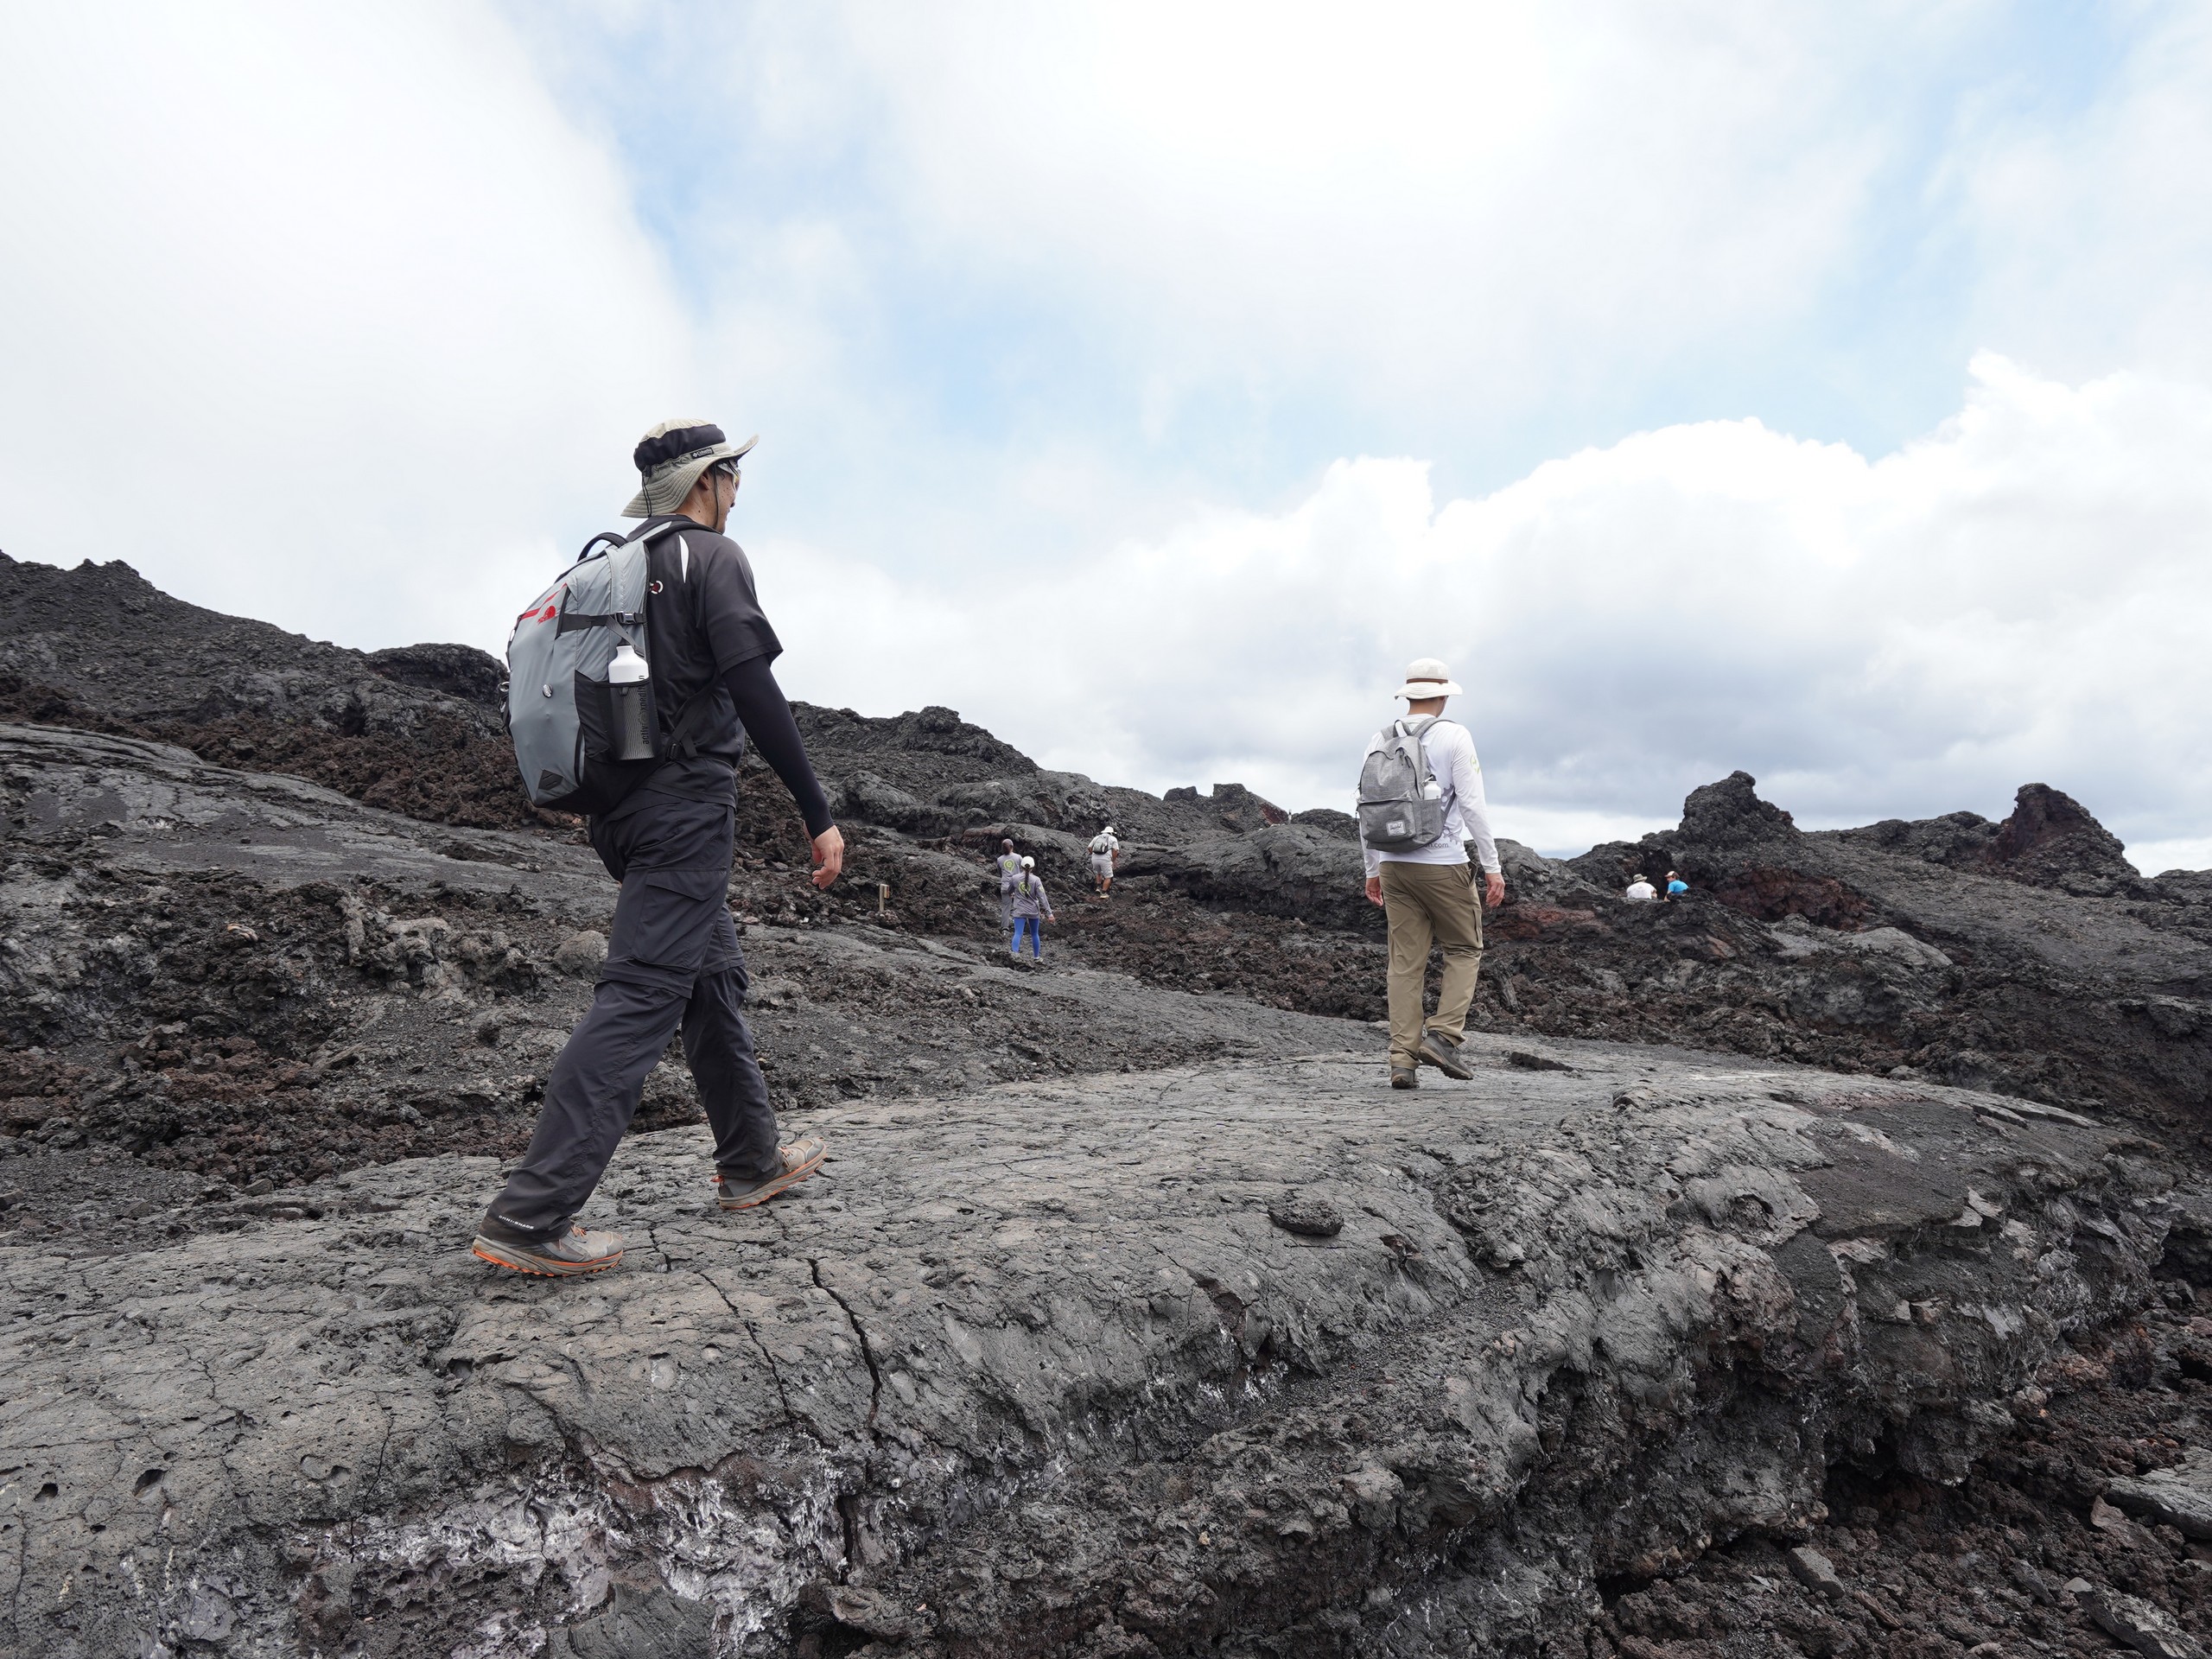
(801, 1159)
(1404, 1076)
(1445, 1056)
(578, 1250)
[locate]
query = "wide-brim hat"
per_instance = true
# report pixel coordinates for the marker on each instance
(669, 459)
(1426, 678)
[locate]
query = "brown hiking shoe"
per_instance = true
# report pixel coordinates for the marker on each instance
(578, 1250)
(1404, 1076)
(801, 1159)
(1444, 1055)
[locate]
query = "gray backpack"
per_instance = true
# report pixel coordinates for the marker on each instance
(1396, 812)
(584, 743)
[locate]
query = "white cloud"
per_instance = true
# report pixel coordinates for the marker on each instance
(319, 315)
(1412, 201)
(2020, 596)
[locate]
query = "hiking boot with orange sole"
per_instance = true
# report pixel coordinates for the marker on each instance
(801, 1159)
(578, 1250)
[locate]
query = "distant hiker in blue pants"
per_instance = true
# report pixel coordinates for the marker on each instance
(1031, 909)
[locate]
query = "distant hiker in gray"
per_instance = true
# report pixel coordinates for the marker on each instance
(1105, 853)
(1009, 867)
(1640, 891)
(673, 959)
(1031, 909)
(1421, 802)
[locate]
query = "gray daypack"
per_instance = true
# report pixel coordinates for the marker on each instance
(1396, 812)
(584, 743)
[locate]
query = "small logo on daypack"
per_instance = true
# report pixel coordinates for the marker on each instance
(653, 586)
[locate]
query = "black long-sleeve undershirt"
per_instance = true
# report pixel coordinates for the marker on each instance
(767, 715)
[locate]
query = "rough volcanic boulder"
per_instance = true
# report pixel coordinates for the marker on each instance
(1342, 826)
(1746, 852)
(461, 672)
(923, 751)
(117, 645)
(867, 798)
(1729, 816)
(1285, 869)
(2051, 839)
(1238, 808)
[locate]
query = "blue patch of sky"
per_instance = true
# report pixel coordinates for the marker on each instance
(1873, 357)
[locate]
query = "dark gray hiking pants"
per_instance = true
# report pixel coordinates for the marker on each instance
(672, 963)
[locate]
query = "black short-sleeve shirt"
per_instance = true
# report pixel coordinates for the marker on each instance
(702, 619)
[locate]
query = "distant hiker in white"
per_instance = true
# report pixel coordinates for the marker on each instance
(1105, 852)
(1641, 892)
(1421, 802)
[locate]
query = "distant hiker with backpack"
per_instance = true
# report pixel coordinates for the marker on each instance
(1421, 802)
(635, 681)
(1105, 853)
(1031, 909)
(1010, 868)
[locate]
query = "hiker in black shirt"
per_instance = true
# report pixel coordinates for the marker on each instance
(673, 959)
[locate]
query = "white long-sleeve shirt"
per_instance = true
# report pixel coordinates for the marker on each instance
(1450, 750)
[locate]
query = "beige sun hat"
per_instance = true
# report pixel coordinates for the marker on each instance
(669, 459)
(1426, 678)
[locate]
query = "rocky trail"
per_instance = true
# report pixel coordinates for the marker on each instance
(1811, 1268)
(1248, 1358)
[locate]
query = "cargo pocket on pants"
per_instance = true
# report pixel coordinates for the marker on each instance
(665, 922)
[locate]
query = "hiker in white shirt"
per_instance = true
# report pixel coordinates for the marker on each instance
(1428, 891)
(1105, 849)
(1640, 891)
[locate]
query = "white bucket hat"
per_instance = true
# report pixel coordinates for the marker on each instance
(669, 459)
(1426, 678)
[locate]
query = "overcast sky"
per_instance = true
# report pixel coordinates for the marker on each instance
(1827, 393)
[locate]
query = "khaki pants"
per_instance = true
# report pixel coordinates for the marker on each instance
(1426, 904)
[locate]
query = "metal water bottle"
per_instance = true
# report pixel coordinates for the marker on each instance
(629, 691)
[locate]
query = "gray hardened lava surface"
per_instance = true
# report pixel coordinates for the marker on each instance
(1812, 1267)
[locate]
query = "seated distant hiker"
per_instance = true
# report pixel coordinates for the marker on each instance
(1641, 892)
(1010, 868)
(1105, 852)
(1031, 909)
(1675, 887)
